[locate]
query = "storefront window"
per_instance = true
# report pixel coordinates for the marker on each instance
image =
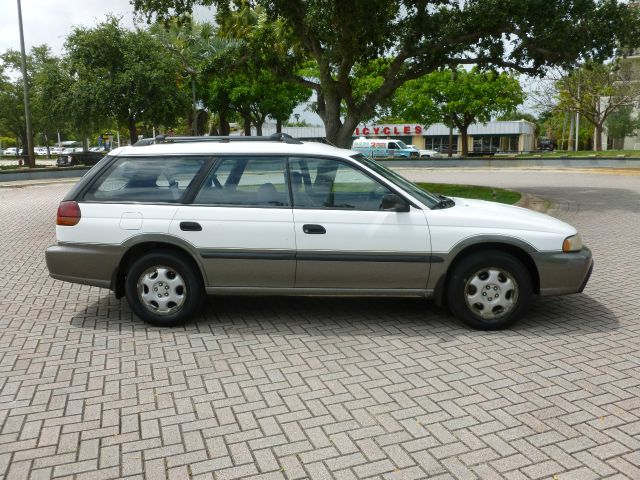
(440, 143)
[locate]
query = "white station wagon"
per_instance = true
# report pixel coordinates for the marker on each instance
(169, 220)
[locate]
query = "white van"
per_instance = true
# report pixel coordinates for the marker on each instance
(384, 148)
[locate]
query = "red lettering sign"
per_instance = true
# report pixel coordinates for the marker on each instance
(418, 129)
(357, 130)
(365, 131)
(386, 130)
(407, 129)
(376, 130)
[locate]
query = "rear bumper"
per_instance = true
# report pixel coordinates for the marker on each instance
(86, 264)
(563, 273)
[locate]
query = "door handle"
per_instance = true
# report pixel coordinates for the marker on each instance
(190, 227)
(313, 229)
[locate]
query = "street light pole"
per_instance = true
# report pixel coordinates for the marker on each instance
(27, 110)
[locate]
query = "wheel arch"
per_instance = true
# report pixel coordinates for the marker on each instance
(136, 249)
(516, 249)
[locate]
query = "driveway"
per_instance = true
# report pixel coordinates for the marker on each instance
(293, 388)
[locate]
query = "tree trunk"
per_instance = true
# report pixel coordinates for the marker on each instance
(599, 129)
(278, 126)
(465, 140)
(133, 133)
(46, 139)
(340, 134)
(570, 144)
(247, 124)
(259, 129)
(224, 124)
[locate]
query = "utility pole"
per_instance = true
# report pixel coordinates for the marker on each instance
(27, 111)
(453, 78)
(194, 126)
(578, 120)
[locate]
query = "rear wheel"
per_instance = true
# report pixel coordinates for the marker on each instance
(489, 290)
(164, 289)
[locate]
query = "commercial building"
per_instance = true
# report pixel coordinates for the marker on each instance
(632, 140)
(490, 137)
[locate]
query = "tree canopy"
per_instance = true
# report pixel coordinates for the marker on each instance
(127, 75)
(458, 98)
(400, 41)
(597, 90)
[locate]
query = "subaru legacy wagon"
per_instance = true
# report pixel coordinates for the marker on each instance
(168, 221)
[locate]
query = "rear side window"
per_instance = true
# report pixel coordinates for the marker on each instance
(162, 179)
(246, 181)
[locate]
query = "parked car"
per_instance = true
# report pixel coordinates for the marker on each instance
(426, 153)
(11, 151)
(78, 158)
(166, 222)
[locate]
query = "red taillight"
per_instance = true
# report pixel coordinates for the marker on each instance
(68, 214)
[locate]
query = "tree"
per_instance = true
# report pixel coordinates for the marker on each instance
(12, 109)
(597, 90)
(125, 75)
(415, 38)
(202, 55)
(39, 62)
(555, 124)
(458, 98)
(622, 123)
(257, 91)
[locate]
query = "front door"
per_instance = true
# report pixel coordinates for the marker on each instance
(241, 224)
(344, 240)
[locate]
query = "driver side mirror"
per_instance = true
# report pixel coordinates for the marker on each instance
(394, 203)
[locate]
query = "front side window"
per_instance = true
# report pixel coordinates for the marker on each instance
(324, 183)
(246, 181)
(424, 196)
(159, 179)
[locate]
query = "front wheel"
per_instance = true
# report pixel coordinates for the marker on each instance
(489, 290)
(163, 288)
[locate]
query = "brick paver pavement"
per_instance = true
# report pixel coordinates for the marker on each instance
(292, 388)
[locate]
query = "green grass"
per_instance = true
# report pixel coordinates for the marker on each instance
(21, 167)
(584, 153)
(472, 191)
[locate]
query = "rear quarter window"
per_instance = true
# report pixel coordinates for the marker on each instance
(153, 180)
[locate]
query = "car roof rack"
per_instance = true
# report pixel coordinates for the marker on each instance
(276, 137)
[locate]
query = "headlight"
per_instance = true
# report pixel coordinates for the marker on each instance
(572, 244)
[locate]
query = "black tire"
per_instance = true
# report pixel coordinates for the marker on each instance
(176, 277)
(498, 273)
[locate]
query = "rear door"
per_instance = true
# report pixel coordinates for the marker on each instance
(135, 196)
(241, 224)
(344, 240)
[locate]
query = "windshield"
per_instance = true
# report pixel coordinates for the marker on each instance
(401, 144)
(429, 199)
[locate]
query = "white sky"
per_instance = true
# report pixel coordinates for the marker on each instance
(50, 21)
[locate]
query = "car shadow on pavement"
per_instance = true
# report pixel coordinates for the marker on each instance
(328, 317)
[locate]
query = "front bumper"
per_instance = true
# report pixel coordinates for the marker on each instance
(563, 273)
(87, 264)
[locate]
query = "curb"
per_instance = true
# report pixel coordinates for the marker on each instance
(535, 203)
(35, 183)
